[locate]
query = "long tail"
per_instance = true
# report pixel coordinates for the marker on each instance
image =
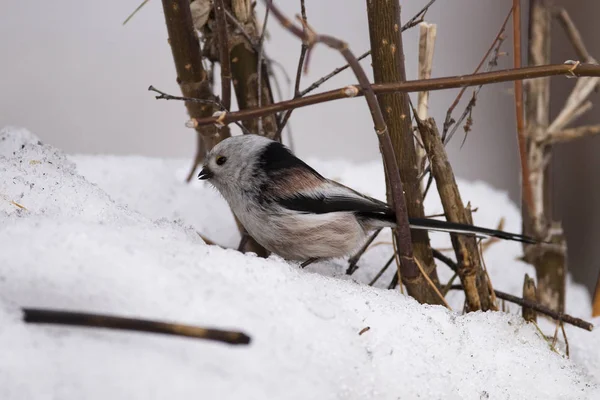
(452, 227)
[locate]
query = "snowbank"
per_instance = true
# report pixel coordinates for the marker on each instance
(119, 235)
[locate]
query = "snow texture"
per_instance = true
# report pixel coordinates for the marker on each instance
(119, 235)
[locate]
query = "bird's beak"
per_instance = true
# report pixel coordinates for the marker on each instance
(205, 174)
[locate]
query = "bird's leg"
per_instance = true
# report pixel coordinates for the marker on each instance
(309, 261)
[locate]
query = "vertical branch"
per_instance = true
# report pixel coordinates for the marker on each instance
(246, 70)
(596, 300)
(521, 136)
(470, 271)
(549, 260)
(225, 62)
(191, 76)
(427, 36)
(529, 294)
(388, 66)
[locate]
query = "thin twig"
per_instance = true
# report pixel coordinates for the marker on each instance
(165, 96)
(138, 8)
(562, 328)
(558, 316)
(396, 188)
(567, 135)
(352, 261)
(44, 316)
(574, 36)
(413, 86)
(385, 267)
(433, 285)
(303, 50)
(521, 134)
(448, 122)
(259, 68)
(418, 18)
(223, 53)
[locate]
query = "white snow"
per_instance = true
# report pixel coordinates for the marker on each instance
(118, 235)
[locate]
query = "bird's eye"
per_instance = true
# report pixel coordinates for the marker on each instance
(221, 160)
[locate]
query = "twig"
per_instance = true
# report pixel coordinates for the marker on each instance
(138, 8)
(165, 96)
(385, 267)
(308, 262)
(303, 50)
(529, 294)
(402, 230)
(433, 285)
(413, 86)
(448, 122)
(427, 36)
(445, 259)
(223, 54)
(418, 18)
(44, 316)
(352, 261)
(562, 328)
(259, 68)
(558, 316)
(567, 135)
(573, 34)
(521, 134)
(596, 299)
(465, 247)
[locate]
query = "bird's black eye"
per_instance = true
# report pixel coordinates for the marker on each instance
(221, 160)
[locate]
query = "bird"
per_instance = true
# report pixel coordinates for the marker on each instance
(293, 211)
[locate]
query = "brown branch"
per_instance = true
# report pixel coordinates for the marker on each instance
(596, 299)
(521, 134)
(222, 35)
(469, 269)
(418, 18)
(451, 82)
(165, 96)
(558, 316)
(402, 230)
(388, 65)
(303, 50)
(259, 67)
(44, 316)
(191, 76)
(529, 294)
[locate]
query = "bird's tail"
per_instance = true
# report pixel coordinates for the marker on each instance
(376, 220)
(453, 227)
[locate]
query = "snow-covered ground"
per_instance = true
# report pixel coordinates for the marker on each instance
(119, 235)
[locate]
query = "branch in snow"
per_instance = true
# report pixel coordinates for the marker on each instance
(43, 316)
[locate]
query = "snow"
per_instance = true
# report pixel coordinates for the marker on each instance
(119, 235)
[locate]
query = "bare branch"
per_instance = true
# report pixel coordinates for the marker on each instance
(558, 316)
(413, 86)
(224, 54)
(520, 117)
(567, 135)
(43, 316)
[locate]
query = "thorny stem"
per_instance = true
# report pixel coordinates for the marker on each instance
(451, 82)
(43, 316)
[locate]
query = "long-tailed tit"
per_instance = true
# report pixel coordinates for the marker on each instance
(293, 211)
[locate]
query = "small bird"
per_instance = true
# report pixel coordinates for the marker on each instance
(293, 211)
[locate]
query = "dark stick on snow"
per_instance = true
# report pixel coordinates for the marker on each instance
(43, 316)
(558, 316)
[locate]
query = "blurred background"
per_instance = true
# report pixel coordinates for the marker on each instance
(75, 76)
